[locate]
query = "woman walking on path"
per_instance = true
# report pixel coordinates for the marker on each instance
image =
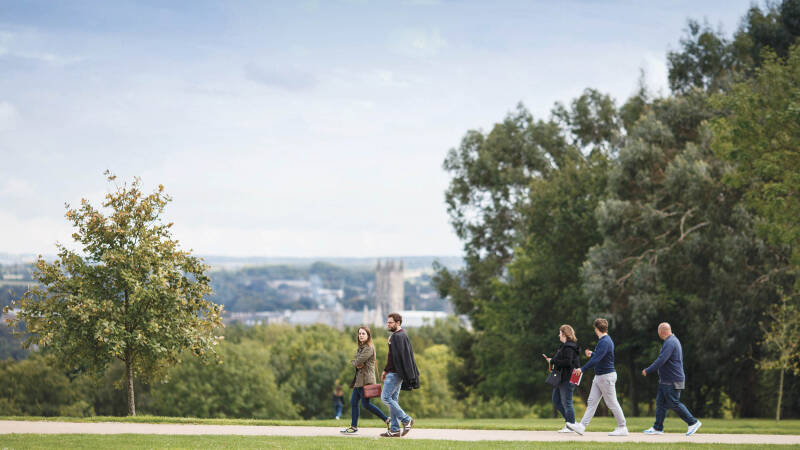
(364, 364)
(565, 360)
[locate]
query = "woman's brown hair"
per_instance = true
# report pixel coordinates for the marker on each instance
(567, 331)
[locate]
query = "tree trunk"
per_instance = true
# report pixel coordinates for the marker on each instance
(129, 376)
(780, 395)
(632, 386)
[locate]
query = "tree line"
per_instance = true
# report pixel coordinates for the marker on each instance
(679, 208)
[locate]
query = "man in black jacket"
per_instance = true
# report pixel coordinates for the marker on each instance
(400, 373)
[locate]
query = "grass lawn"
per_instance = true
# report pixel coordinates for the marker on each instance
(635, 424)
(126, 441)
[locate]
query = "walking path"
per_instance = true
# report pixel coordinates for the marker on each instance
(27, 427)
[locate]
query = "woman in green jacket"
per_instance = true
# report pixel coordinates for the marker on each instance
(364, 364)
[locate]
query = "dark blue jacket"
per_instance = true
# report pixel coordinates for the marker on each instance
(669, 362)
(602, 357)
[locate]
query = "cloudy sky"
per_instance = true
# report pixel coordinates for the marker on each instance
(294, 128)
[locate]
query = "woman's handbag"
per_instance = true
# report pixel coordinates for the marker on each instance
(372, 390)
(554, 378)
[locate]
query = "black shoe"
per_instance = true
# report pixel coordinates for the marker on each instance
(390, 433)
(407, 427)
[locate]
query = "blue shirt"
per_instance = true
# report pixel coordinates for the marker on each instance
(602, 357)
(669, 362)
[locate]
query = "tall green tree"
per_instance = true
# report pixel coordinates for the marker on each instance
(760, 135)
(130, 293)
(782, 339)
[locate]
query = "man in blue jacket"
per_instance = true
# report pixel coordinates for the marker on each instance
(604, 382)
(671, 381)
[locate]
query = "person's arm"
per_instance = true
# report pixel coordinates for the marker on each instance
(666, 352)
(562, 358)
(363, 355)
(599, 353)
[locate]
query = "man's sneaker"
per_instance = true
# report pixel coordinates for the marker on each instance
(407, 427)
(693, 428)
(565, 430)
(349, 430)
(619, 431)
(390, 433)
(652, 430)
(576, 427)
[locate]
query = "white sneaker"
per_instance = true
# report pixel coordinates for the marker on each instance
(576, 427)
(565, 430)
(652, 430)
(619, 431)
(693, 428)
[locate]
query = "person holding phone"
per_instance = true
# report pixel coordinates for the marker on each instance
(565, 360)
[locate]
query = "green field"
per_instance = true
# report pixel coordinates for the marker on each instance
(120, 441)
(635, 424)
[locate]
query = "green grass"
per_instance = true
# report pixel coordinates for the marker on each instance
(635, 424)
(130, 441)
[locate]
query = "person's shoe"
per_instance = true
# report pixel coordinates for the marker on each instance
(349, 430)
(390, 433)
(619, 431)
(565, 430)
(693, 428)
(577, 427)
(407, 427)
(652, 430)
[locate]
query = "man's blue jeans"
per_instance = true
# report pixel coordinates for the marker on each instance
(562, 400)
(389, 396)
(358, 396)
(669, 398)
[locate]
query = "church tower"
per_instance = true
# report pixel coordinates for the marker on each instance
(389, 288)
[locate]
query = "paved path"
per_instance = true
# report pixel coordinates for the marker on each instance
(11, 426)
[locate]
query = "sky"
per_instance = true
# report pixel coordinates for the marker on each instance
(295, 128)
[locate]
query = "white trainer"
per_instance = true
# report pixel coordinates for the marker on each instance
(619, 431)
(693, 428)
(652, 430)
(565, 430)
(576, 427)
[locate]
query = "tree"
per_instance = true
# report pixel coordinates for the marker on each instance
(782, 340)
(130, 294)
(760, 135)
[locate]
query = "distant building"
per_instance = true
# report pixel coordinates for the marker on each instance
(389, 287)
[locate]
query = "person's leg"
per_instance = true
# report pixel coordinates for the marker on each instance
(609, 390)
(592, 402)
(355, 409)
(565, 391)
(661, 409)
(674, 403)
(373, 409)
(557, 402)
(401, 415)
(389, 397)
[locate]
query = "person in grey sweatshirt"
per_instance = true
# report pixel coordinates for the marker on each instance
(671, 381)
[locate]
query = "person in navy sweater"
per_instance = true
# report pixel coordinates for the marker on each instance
(604, 382)
(671, 381)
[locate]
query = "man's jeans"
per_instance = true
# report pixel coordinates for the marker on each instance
(669, 398)
(603, 386)
(389, 395)
(358, 396)
(562, 400)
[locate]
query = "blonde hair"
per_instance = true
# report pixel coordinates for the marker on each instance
(568, 332)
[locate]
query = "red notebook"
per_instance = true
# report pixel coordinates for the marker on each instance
(576, 377)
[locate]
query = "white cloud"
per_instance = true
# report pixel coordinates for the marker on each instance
(656, 73)
(8, 117)
(418, 43)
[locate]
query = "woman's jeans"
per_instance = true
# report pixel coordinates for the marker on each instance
(358, 396)
(670, 398)
(337, 409)
(562, 400)
(389, 396)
